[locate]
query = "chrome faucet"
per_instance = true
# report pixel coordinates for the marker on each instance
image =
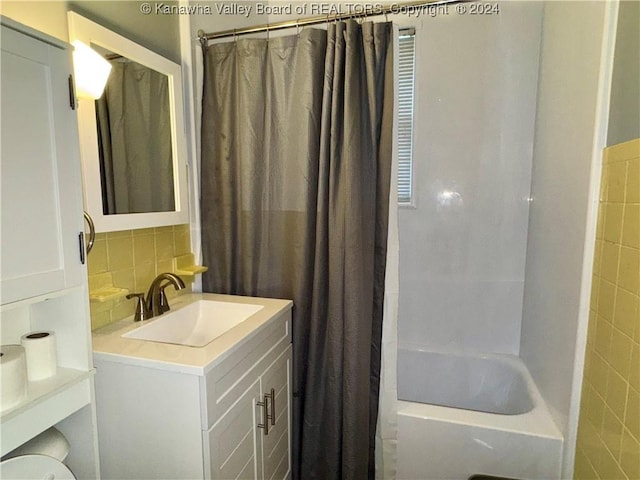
(157, 302)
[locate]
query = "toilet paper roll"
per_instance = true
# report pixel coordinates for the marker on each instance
(40, 350)
(51, 443)
(13, 376)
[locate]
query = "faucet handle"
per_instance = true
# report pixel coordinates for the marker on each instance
(142, 312)
(163, 301)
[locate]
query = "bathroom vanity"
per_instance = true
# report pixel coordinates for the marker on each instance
(168, 410)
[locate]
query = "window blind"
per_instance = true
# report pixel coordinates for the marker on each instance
(406, 86)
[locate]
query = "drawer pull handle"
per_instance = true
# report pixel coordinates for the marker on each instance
(273, 407)
(265, 413)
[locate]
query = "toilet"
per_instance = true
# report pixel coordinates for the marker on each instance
(41, 458)
(34, 467)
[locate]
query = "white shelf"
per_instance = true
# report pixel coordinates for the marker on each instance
(41, 390)
(47, 402)
(38, 299)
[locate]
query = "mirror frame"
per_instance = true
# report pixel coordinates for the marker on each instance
(90, 33)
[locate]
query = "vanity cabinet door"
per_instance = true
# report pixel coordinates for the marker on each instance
(41, 196)
(275, 446)
(233, 439)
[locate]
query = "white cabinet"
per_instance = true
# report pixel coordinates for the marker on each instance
(251, 439)
(40, 173)
(157, 420)
(43, 282)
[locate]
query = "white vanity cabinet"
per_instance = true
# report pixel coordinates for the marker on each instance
(239, 444)
(172, 411)
(43, 280)
(42, 221)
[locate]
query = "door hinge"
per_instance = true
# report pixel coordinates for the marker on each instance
(72, 93)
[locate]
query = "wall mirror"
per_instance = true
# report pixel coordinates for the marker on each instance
(132, 139)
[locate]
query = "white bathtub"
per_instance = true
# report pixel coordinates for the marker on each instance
(465, 415)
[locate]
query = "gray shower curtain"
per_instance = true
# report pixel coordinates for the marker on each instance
(133, 120)
(296, 159)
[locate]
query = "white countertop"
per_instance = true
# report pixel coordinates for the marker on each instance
(108, 343)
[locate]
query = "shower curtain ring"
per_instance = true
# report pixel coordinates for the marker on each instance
(298, 28)
(235, 36)
(267, 33)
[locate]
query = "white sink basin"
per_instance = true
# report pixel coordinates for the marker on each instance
(196, 324)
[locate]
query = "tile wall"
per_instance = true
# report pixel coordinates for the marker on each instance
(609, 426)
(131, 259)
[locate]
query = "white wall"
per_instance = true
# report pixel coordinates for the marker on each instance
(156, 32)
(567, 146)
(462, 253)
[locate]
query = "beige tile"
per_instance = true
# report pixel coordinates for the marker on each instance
(595, 289)
(608, 469)
(623, 151)
(616, 182)
(144, 249)
(599, 375)
(612, 433)
(164, 245)
(629, 267)
(610, 259)
(617, 394)
(99, 320)
(119, 234)
(631, 226)
(591, 331)
(606, 300)
(144, 231)
(182, 242)
(123, 309)
(630, 456)
(583, 468)
(594, 451)
(144, 274)
(183, 228)
(98, 308)
(620, 355)
(167, 229)
(613, 222)
(595, 409)
(634, 369)
(99, 280)
(632, 414)
(601, 218)
(120, 252)
(124, 279)
(163, 266)
(603, 338)
(597, 257)
(97, 260)
(627, 312)
(633, 181)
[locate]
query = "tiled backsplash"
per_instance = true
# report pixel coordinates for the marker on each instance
(133, 258)
(609, 427)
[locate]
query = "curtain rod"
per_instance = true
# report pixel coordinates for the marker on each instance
(363, 12)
